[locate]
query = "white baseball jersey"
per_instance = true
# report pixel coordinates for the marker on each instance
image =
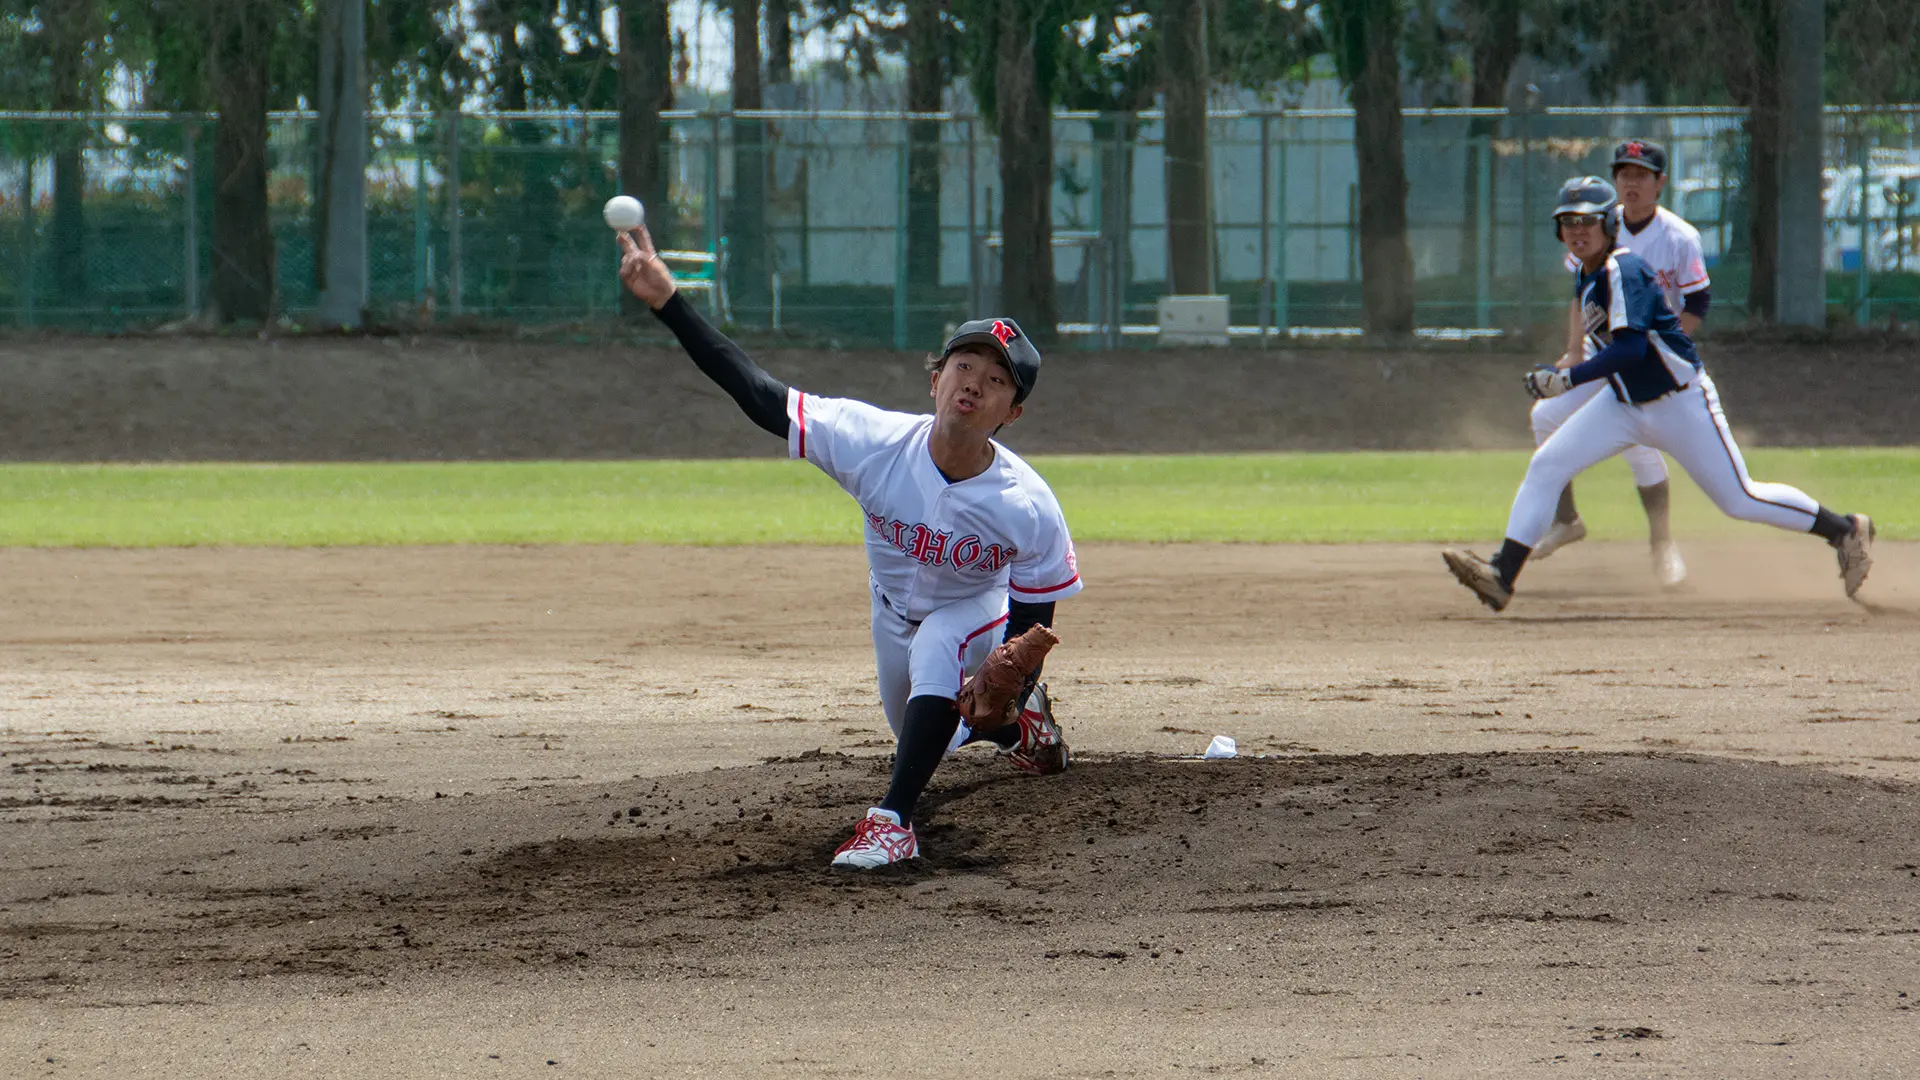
(931, 543)
(1671, 249)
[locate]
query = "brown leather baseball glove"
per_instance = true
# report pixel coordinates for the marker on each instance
(990, 699)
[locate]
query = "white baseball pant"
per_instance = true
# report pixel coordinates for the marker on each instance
(1648, 467)
(1687, 424)
(936, 655)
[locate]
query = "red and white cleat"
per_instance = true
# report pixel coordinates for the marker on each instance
(879, 840)
(1042, 750)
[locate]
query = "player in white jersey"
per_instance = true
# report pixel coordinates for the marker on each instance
(966, 545)
(1657, 394)
(1671, 249)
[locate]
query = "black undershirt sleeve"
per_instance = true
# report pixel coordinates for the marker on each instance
(1696, 303)
(1021, 616)
(761, 396)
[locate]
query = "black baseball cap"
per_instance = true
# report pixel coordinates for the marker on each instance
(1003, 336)
(1648, 155)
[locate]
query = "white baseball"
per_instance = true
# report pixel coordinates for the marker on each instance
(624, 212)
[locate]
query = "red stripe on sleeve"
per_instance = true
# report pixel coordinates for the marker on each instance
(802, 411)
(1048, 588)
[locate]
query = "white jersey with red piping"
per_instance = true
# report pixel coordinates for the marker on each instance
(931, 542)
(1671, 249)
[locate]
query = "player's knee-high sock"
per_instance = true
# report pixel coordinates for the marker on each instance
(1566, 513)
(924, 736)
(1830, 526)
(1655, 498)
(1511, 557)
(1006, 736)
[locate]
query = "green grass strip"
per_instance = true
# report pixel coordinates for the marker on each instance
(1264, 498)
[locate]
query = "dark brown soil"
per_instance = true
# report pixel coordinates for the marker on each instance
(211, 398)
(1124, 859)
(468, 811)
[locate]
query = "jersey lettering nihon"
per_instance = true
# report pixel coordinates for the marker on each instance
(930, 542)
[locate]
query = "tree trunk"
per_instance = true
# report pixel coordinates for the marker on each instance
(1764, 117)
(646, 89)
(243, 256)
(1495, 29)
(69, 27)
(780, 41)
(747, 224)
(1026, 176)
(1386, 262)
(1763, 200)
(924, 83)
(1189, 208)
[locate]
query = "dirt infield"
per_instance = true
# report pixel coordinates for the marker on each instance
(566, 811)
(303, 399)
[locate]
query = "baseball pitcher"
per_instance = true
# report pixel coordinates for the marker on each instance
(967, 549)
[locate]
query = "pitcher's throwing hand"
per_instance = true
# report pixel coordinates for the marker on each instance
(642, 270)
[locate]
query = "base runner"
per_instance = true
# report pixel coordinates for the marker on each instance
(1658, 394)
(966, 545)
(1671, 249)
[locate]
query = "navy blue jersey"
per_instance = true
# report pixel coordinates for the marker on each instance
(1623, 294)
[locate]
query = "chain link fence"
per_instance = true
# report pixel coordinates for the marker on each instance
(496, 216)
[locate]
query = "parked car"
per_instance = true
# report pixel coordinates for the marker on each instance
(1893, 219)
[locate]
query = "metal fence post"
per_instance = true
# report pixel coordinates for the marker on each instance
(973, 221)
(1120, 241)
(1353, 232)
(1280, 239)
(420, 248)
(26, 243)
(713, 186)
(190, 273)
(456, 287)
(1862, 287)
(1483, 236)
(1532, 100)
(1264, 305)
(900, 239)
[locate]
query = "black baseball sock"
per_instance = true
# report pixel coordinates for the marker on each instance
(1566, 513)
(1655, 498)
(1513, 555)
(1830, 526)
(924, 736)
(1006, 736)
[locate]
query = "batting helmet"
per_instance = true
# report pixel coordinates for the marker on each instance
(1650, 156)
(1588, 195)
(1003, 336)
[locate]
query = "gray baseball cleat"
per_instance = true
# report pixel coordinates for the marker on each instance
(1856, 552)
(1668, 567)
(1562, 534)
(1479, 575)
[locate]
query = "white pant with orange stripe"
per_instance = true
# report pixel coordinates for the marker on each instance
(1549, 413)
(1687, 424)
(936, 655)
